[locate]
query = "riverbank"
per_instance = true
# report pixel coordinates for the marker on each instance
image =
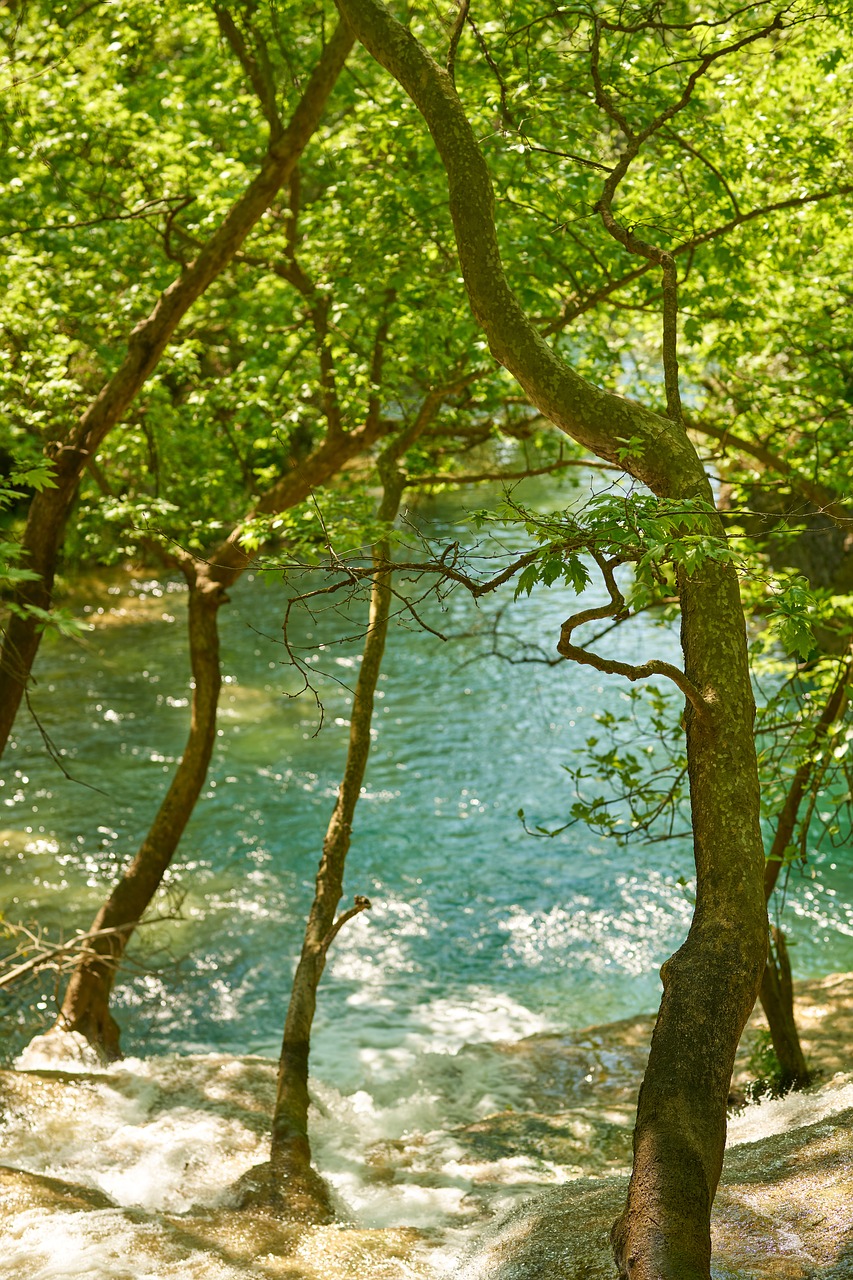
(124, 1173)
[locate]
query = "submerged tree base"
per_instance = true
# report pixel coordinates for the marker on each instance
(65, 1048)
(100, 1031)
(289, 1191)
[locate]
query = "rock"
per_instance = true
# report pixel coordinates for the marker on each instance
(165, 1138)
(784, 1211)
(58, 1229)
(289, 1193)
(20, 1190)
(58, 1050)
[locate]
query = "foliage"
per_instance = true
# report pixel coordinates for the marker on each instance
(13, 569)
(130, 131)
(768, 1078)
(123, 152)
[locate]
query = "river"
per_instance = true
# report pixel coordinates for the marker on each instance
(478, 932)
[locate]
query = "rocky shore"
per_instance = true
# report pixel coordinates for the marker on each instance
(124, 1174)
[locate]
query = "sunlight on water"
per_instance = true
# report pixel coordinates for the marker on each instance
(474, 923)
(432, 1111)
(477, 932)
(147, 1151)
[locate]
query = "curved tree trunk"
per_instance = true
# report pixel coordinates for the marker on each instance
(293, 1186)
(711, 983)
(85, 1007)
(49, 509)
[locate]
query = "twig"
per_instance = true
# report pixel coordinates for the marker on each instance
(54, 752)
(617, 609)
(593, 464)
(360, 904)
(256, 64)
(47, 957)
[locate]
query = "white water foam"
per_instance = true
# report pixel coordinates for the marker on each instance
(781, 1115)
(103, 1245)
(59, 1051)
(170, 1135)
(160, 1134)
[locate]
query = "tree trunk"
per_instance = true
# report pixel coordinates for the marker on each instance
(85, 1007)
(777, 988)
(42, 537)
(711, 983)
(287, 1184)
(49, 509)
(777, 1000)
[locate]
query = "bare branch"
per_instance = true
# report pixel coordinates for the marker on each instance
(602, 98)
(703, 159)
(564, 155)
(577, 306)
(422, 482)
(669, 337)
(57, 956)
(818, 494)
(256, 66)
(792, 202)
(360, 904)
(505, 112)
(618, 610)
(625, 235)
(173, 205)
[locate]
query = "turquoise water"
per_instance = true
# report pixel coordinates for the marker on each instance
(478, 931)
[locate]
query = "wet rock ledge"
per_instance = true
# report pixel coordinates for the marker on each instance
(544, 1180)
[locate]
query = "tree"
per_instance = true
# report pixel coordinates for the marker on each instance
(639, 218)
(164, 487)
(711, 982)
(630, 786)
(85, 1004)
(78, 445)
(288, 1184)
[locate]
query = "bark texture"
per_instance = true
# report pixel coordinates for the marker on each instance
(711, 983)
(49, 509)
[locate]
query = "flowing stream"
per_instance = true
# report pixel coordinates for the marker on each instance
(479, 934)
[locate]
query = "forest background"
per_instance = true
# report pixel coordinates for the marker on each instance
(243, 329)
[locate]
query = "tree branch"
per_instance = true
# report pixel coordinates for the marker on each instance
(360, 904)
(625, 235)
(422, 482)
(48, 956)
(818, 494)
(600, 421)
(458, 27)
(257, 68)
(787, 822)
(618, 610)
